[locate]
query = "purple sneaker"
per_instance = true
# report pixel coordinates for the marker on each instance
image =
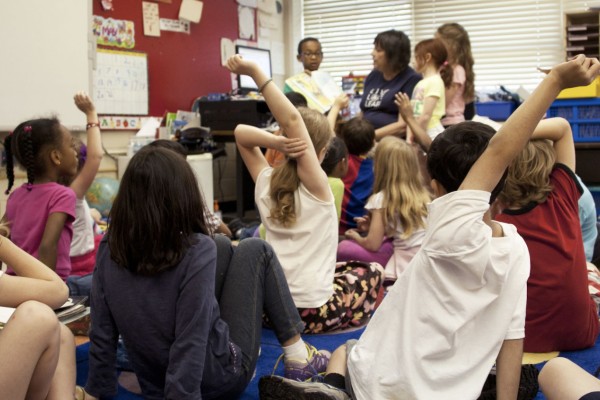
(302, 370)
(279, 388)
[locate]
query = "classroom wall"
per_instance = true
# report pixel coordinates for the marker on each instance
(181, 68)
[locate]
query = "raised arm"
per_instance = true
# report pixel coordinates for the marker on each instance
(250, 139)
(84, 179)
(34, 281)
(406, 112)
(339, 104)
(558, 130)
(290, 121)
(517, 130)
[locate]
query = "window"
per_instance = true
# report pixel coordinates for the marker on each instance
(346, 30)
(510, 39)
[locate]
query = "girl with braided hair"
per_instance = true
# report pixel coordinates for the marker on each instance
(40, 212)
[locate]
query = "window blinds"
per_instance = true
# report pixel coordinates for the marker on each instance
(510, 39)
(347, 28)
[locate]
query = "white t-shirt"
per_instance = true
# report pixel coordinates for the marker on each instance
(83, 229)
(307, 250)
(376, 203)
(439, 330)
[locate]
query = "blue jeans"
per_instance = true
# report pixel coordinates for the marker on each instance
(80, 285)
(250, 281)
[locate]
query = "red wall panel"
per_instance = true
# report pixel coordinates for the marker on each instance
(181, 67)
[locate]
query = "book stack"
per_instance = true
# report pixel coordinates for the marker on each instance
(75, 308)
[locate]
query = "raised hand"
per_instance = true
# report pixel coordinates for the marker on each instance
(84, 103)
(579, 71)
(404, 107)
(291, 147)
(238, 65)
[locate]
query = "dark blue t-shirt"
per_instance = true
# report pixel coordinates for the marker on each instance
(377, 103)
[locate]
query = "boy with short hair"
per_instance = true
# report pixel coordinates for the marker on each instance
(460, 305)
(359, 136)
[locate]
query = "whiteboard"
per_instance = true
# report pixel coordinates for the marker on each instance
(121, 82)
(46, 54)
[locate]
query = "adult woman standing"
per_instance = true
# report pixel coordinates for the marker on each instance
(461, 94)
(390, 75)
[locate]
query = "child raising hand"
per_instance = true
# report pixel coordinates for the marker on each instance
(297, 208)
(41, 211)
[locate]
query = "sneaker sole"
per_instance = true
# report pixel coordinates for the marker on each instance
(277, 388)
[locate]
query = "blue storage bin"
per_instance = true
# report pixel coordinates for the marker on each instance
(583, 114)
(595, 191)
(496, 110)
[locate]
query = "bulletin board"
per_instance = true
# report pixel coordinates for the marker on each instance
(181, 67)
(121, 82)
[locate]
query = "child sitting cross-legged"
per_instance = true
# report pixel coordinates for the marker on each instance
(459, 307)
(540, 198)
(188, 306)
(397, 209)
(297, 208)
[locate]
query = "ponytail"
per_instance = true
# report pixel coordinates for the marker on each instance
(29, 157)
(285, 180)
(25, 144)
(284, 183)
(10, 173)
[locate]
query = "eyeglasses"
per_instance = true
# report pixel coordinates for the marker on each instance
(308, 54)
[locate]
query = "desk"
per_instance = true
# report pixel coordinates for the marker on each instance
(587, 157)
(222, 117)
(244, 184)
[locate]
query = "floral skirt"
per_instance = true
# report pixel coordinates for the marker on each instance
(358, 290)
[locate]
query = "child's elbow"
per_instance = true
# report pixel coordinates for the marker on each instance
(294, 118)
(59, 295)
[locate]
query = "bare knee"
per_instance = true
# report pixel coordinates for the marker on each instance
(38, 316)
(38, 321)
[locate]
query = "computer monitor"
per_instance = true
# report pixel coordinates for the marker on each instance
(260, 56)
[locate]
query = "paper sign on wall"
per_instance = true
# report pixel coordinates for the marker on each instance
(190, 10)
(150, 17)
(246, 23)
(175, 25)
(227, 50)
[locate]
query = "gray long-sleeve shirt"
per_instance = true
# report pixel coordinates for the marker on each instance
(178, 344)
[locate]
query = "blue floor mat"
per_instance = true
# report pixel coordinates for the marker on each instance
(270, 351)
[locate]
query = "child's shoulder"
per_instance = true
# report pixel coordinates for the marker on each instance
(564, 177)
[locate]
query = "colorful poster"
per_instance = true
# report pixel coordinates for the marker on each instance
(114, 32)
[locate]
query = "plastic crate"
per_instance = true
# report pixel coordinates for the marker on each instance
(583, 114)
(591, 90)
(595, 191)
(496, 110)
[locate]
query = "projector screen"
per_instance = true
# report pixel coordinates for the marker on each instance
(260, 56)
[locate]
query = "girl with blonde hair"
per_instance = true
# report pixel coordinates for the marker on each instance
(297, 208)
(397, 208)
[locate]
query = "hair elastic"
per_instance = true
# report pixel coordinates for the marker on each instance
(264, 85)
(445, 63)
(29, 186)
(27, 128)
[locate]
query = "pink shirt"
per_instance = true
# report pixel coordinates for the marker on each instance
(28, 211)
(455, 106)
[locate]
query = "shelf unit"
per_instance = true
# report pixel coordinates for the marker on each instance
(583, 34)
